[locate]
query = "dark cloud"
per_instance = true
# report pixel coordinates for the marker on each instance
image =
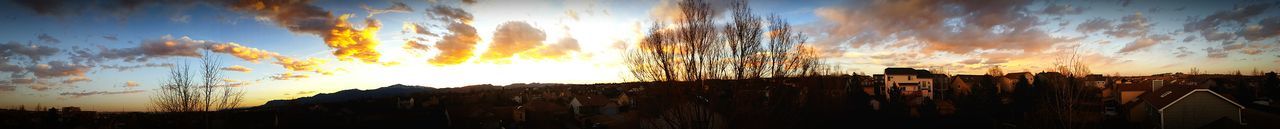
(22, 81)
(110, 37)
(1155, 9)
(123, 68)
(158, 48)
(1182, 52)
(1094, 25)
(7, 88)
(32, 52)
(54, 69)
(45, 7)
(1189, 39)
(1265, 29)
(446, 13)
(13, 70)
(117, 8)
(1215, 52)
(294, 15)
(413, 45)
(92, 93)
(186, 47)
(1144, 42)
(47, 39)
(946, 26)
(511, 38)
(418, 29)
(1209, 26)
(396, 7)
(1062, 9)
(1130, 26)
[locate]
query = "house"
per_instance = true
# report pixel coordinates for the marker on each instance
(1131, 89)
(1177, 106)
(625, 100)
(964, 85)
(1020, 76)
(576, 105)
(404, 103)
(588, 104)
(908, 82)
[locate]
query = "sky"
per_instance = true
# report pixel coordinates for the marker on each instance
(110, 55)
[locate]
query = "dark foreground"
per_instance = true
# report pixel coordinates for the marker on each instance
(812, 102)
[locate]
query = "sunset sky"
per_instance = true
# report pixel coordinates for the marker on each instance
(109, 55)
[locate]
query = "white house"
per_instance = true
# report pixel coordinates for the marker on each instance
(575, 104)
(908, 81)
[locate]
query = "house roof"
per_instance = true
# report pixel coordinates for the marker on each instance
(1134, 86)
(1173, 93)
(593, 100)
(908, 71)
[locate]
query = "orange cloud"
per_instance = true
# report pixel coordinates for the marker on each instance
(242, 52)
(302, 17)
(353, 43)
(131, 84)
(455, 47)
(75, 80)
(414, 45)
(59, 69)
(82, 94)
(560, 49)
(311, 64)
(511, 38)
(237, 68)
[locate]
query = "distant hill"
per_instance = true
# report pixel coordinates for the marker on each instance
(350, 94)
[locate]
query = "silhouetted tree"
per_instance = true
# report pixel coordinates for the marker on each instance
(1071, 64)
(1063, 91)
(743, 35)
(182, 93)
(691, 49)
(653, 60)
(995, 71)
